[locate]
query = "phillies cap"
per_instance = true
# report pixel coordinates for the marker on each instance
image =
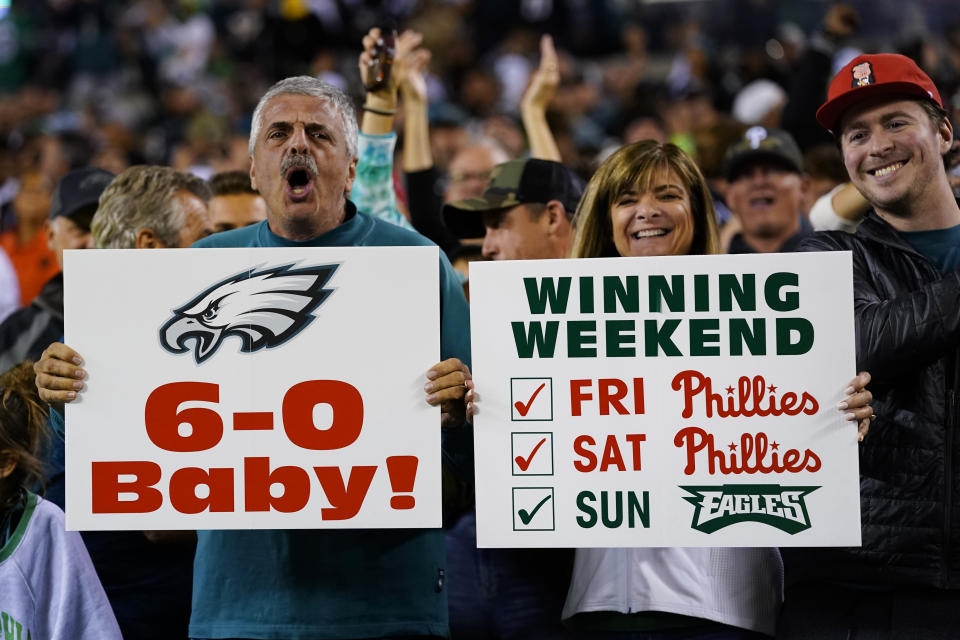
(77, 194)
(762, 144)
(512, 183)
(878, 74)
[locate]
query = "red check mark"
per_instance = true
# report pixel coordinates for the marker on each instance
(522, 408)
(524, 463)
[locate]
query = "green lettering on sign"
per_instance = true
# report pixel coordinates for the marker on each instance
(534, 339)
(548, 292)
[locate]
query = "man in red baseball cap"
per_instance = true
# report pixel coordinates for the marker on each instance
(889, 122)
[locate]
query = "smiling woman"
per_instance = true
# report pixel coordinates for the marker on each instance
(647, 199)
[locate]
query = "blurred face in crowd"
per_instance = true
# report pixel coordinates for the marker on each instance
(236, 210)
(196, 221)
(522, 232)
(655, 222)
(767, 197)
(470, 171)
(65, 233)
(892, 151)
(445, 142)
(644, 129)
(302, 166)
(32, 202)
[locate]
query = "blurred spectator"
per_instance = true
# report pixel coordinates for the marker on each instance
(824, 167)
(766, 192)
(760, 102)
(148, 575)
(234, 203)
(26, 242)
(808, 88)
(523, 213)
(9, 287)
(26, 333)
(711, 143)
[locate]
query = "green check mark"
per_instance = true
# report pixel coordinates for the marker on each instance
(526, 517)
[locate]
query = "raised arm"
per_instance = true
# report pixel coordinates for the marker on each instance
(416, 127)
(536, 99)
(373, 190)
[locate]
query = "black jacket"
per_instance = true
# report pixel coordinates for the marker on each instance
(907, 330)
(28, 331)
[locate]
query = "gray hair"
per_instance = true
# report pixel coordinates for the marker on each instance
(310, 86)
(143, 197)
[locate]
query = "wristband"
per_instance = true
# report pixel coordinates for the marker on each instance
(380, 112)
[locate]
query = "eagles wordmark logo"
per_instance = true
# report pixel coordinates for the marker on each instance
(263, 308)
(781, 507)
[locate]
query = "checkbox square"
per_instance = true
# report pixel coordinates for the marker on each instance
(531, 453)
(533, 509)
(531, 399)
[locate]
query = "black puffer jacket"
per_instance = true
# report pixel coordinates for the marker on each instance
(28, 331)
(908, 331)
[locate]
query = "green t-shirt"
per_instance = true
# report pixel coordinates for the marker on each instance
(334, 583)
(939, 246)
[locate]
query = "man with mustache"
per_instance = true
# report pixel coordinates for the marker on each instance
(328, 583)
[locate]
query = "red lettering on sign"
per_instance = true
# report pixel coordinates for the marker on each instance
(611, 453)
(403, 474)
(345, 502)
(163, 421)
(580, 444)
(347, 407)
(183, 490)
(746, 400)
(258, 478)
(578, 395)
(756, 454)
(612, 392)
(106, 487)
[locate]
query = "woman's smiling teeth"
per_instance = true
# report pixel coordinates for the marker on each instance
(649, 233)
(883, 171)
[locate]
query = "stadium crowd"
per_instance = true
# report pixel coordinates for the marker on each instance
(499, 131)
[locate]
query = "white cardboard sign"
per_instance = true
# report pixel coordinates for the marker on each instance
(676, 401)
(253, 388)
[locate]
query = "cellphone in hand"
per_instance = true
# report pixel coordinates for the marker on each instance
(383, 51)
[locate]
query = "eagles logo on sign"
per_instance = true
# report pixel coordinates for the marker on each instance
(781, 507)
(263, 308)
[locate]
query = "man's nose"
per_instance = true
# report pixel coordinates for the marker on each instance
(880, 143)
(298, 140)
(489, 248)
(87, 241)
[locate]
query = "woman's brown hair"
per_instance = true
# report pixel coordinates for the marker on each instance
(637, 165)
(23, 430)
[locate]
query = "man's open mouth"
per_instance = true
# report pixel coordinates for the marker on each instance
(299, 183)
(886, 169)
(761, 201)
